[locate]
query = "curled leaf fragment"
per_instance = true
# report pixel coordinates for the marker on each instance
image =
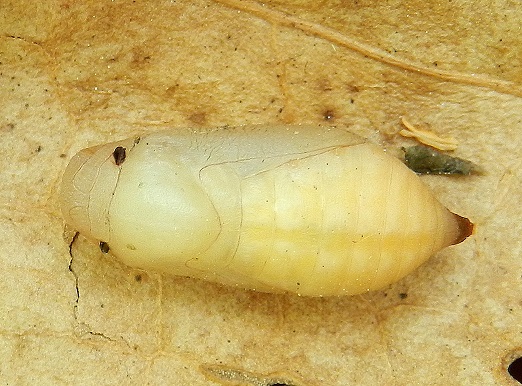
(427, 137)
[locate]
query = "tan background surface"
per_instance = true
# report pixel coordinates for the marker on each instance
(75, 74)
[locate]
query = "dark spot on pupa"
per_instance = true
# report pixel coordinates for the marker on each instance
(138, 278)
(104, 247)
(119, 155)
(403, 295)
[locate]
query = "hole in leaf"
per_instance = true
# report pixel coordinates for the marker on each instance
(515, 369)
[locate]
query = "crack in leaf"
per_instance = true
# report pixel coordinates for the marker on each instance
(75, 275)
(81, 327)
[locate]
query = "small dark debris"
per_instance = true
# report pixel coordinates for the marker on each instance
(403, 295)
(104, 247)
(119, 155)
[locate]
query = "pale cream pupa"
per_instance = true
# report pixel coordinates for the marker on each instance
(309, 210)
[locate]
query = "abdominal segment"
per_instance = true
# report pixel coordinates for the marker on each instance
(346, 221)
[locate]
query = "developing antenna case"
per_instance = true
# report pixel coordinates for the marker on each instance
(310, 210)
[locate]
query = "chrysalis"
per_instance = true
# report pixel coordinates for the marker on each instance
(309, 210)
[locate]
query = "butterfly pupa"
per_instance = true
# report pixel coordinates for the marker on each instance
(309, 210)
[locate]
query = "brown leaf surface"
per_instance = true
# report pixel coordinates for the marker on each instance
(75, 74)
